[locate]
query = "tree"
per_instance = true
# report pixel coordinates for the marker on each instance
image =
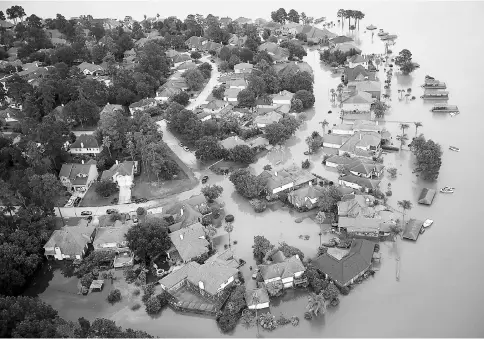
(107, 143)
(379, 108)
(208, 148)
(316, 304)
(181, 98)
(404, 61)
(15, 12)
(195, 55)
(246, 98)
(348, 14)
(306, 97)
(279, 16)
(44, 190)
(290, 251)
(113, 124)
(329, 199)
(34, 21)
(277, 133)
(296, 105)
(114, 296)
(247, 184)
(324, 123)
(2, 15)
(261, 247)
(395, 231)
(148, 239)
(402, 138)
(212, 192)
(331, 292)
(218, 92)
(242, 153)
(194, 79)
(206, 69)
(256, 85)
(417, 125)
(82, 111)
(404, 205)
(106, 188)
(404, 127)
(105, 328)
(293, 16)
(210, 232)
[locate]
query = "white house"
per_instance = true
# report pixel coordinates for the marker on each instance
(286, 271)
(78, 177)
(338, 160)
(257, 298)
(85, 144)
(283, 98)
(343, 129)
(243, 68)
(237, 83)
(111, 238)
(70, 242)
(90, 69)
(359, 101)
(333, 140)
(230, 94)
(166, 93)
(277, 181)
(356, 60)
(120, 173)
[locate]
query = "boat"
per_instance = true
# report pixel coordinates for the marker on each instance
(388, 37)
(453, 114)
(435, 84)
(445, 108)
(429, 77)
(427, 223)
(447, 189)
(455, 149)
(435, 95)
(382, 33)
(422, 230)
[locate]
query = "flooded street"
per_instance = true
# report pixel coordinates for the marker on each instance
(439, 292)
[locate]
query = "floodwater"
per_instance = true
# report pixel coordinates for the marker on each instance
(439, 292)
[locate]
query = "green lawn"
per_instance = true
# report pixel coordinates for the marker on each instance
(92, 199)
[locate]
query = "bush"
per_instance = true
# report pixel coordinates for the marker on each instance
(182, 98)
(87, 279)
(388, 193)
(129, 275)
(302, 117)
(140, 211)
(290, 251)
(136, 292)
(393, 172)
(115, 216)
(331, 292)
(306, 164)
(114, 296)
(275, 288)
(258, 205)
(344, 290)
(136, 307)
(148, 292)
(153, 305)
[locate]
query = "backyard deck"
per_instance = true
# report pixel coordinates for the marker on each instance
(187, 301)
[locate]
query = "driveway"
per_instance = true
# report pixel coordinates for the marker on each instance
(208, 88)
(124, 194)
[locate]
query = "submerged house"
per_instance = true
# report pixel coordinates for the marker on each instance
(352, 266)
(257, 298)
(426, 196)
(359, 183)
(188, 243)
(305, 197)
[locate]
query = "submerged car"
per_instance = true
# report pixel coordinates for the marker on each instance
(86, 213)
(111, 211)
(204, 179)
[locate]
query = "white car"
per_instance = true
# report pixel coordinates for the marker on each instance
(70, 203)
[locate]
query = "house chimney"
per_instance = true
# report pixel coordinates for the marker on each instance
(275, 173)
(83, 162)
(181, 236)
(117, 162)
(82, 145)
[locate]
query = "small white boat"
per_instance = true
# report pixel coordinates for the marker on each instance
(455, 149)
(447, 189)
(428, 223)
(422, 230)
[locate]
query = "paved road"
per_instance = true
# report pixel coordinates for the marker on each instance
(208, 88)
(187, 157)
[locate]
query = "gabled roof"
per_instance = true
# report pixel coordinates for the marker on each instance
(190, 242)
(168, 92)
(310, 192)
(109, 235)
(71, 239)
(77, 173)
(360, 224)
(356, 205)
(359, 98)
(260, 293)
(179, 275)
(122, 168)
(224, 258)
(215, 104)
(342, 271)
(243, 65)
(181, 57)
(6, 24)
(231, 142)
(412, 229)
(268, 118)
(236, 82)
(339, 159)
(363, 182)
(90, 67)
(364, 166)
(232, 92)
(346, 47)
(360, 140)
(426, 196)
(366, 86)
(334, 139)
(258, 141)
(171, 53)
(225, 20)
(212, 275)
(284, 95)
(187, 65)
(342, 127)
(354, 73)
(283, 270)
(143, 103)
(87, 141)
(366, 126)
(357, 59)
(241, 20)
(111, 108)
(212, 46)
(341, 39)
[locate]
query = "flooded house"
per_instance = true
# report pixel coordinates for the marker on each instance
(111, 238)
(70, 242)
(257, 298)
(359, 183)
(306, 197)
(287, 271)
(188, 243)
(292, 177)
(346, 270)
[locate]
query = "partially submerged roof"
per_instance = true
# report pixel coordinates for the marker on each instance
(212, 275)
(412, 229)
(231, 142)
(426, 196)
(363, 182)
(359, 97)
(259, 294)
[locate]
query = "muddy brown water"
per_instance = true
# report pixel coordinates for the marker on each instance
(439, 292)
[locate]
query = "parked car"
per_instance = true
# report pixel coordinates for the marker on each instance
(128, 217)
(86, 213)
(134, 218)
(186, 149)
(70, 202)
(204, 179)
(111, 211)
(181, 144)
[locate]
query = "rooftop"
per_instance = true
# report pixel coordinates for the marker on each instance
(231, 142)
(71, 239)
(77, 173)
(359, 97)
(122, 168)
(283, 270)
(85, 141)
(260, 293)
(110, 235)
(190, 242)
